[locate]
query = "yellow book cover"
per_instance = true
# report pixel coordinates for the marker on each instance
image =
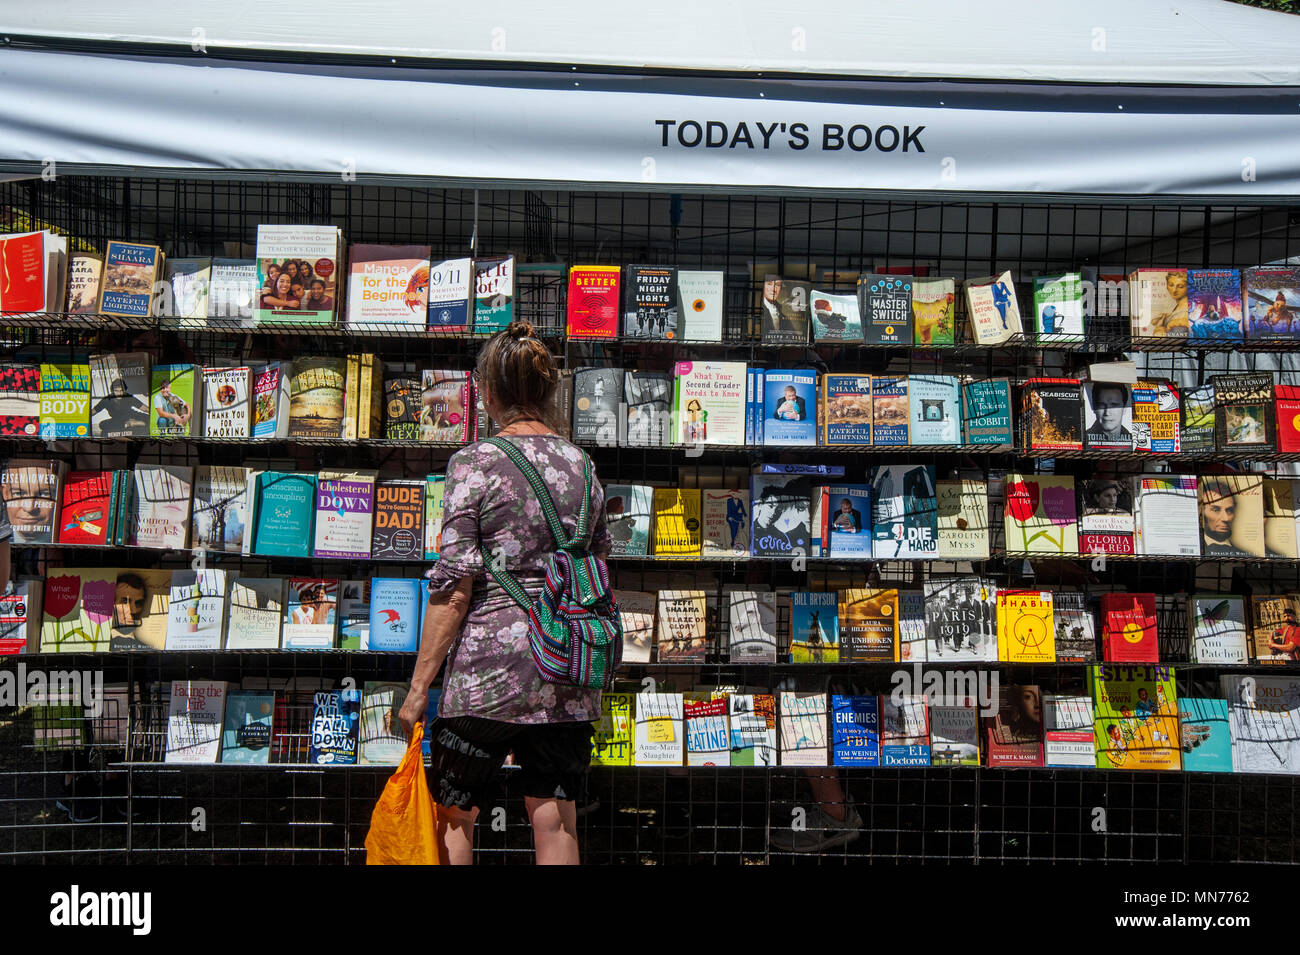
(351, 392)
(868, 625)
(677, 521)
(1135, 716)
(1026, 627)
(370, 406)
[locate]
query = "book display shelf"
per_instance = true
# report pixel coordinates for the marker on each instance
(134, 804)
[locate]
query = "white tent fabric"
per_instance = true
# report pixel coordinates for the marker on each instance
(1100, 41)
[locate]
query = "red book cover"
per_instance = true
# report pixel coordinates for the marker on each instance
(22, 272)
(20, 400)
(593, 301)
(83, 515)
(1013, 737)
(1287, 400)
(1128, 632)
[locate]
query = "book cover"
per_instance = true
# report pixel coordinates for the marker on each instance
(220, 510)
(185, 294)
(335, 728)
(708, 735)
(855, 730)
(658, 732)
(701, 300)
(1135, 717)
(246, 734)
(1204, 735)
(445, 406)
(709, 402)
(1271, 299)
(954, 735)
(961, 619)
(780, 506)
(1067, 731)
(904, 520)
(992, 310)
(593, 300)
(140, 609)
(399, 520)
(904, 730)
(233, 292)
(890, 411)
(846, 407)
(1040, 515)
(194, 721)
(271, 400)
(390, 285)
(1052, 414)
(1197, 432)
(119, 395)
(790, 407)
(85, 273)
(597, 397)
(395, 614)
(1076, 627)
(65, 400)
(24, 264)
(962, 520)
(1107, 417)
(783, 311)
(402, 402)
(255, 614)
(84, 508)
(1232, 515)
(1214, 304)
(298, 274)
(434, 486)
(1280, 517)
(650, 302)
(636, 612)
(353, 613)
(868, 620)
(886, 303)
(316, 398)
(1014, 735)
(172, 394)
(835, 318)
(20, 400)
(1105, 516)
(227, 408)
(1286, 407)
(725, 518)
(162, 506)
(814, 627)
(1217, 628)
(1128, 628)
(310, 617)
(934, 311)
(196, 610)
(345, 510)
(284, 514)
(846, 510)
(801, 729)
(986, 411)
(1058, 307)
(130, 273)
(1244, 416)
(1158, 303)
(934, 403)
(753, 729)
(677, 521)
(1263, 723)
(1165, 516)
(494, 294)
(383, 741)
(451, 289)
(29, 488)
(77, 610)
(629, 511)
(611, 742)
(753, 626)
(1157, 415)
(1026, 627)
(649, 399)
(1275, 628)
(681, 634)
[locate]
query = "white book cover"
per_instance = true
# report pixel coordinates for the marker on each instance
(753, 626)
(708, 735)
(636, 610)
(1217, 625)
(802, 721)
(232, 291)
(912, 646)
(724, 515)
(310, 614)
(451, 292)
(220, 511)
(162, 506)
(1166, 518)
(659, 734)
(1264, 723)
(345, 513)
(194, 719)
(226, 402)
(388, 285)
(753, 733)
(1068, 731)
(196, 610)
(256, 613)
(701, 303)
(992, 309)
(709, 407)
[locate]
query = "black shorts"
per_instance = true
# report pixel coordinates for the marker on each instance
(466, 753)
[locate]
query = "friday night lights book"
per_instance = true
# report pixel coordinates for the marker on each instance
(650, 302)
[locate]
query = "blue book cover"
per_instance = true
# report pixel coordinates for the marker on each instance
(1204, 734)
(130, 271)
(1214, 303)
(848, 409)
(814, 627)
(335, 728)
(935, 403)
(790, 407)
(435, 695)
(855, 731)
(890, 414)
(395, 614)
(246, 735)
(286, 512)
(821, 470)
(846, 510)
(449, 291)
(986, 411)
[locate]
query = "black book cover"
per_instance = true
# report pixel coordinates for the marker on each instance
(648, 395)
(402, 407)
(650, 302)
(597, 394)
(781, 519)
(784, 311)
(1244, 415)
(886, 305)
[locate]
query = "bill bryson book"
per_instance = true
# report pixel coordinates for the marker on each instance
(650, 302)
(814, 627)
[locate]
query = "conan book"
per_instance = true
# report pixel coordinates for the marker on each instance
(450, 295)
(963, 520)
(1058, 307)
(335, 728)
(725, 516)
(1271, 299)
(1217, 628)
(961, 619)
(399, 520)
(629, 513)
(753, 626)
(119, 395)
(1214, 304)
(868, 622)
(650, 302)
(173, 395)
(494, 294)
(935, 409)
(593, 301)
(1135, 717)
(934, 311)
(700, 304)
(1105, 516)
(649, 399)
(1040, 515)
(681, 636)
(814, 627)
(890, 410)
(846, 408)
(1244, 414)
(1157, 416)
(886, 303)
(790, 407)
(1158, 303)
(855, 730)
(781, 512)
(992, 310)
(904, 520)
(1076, 627)
(835, 318)
(1051, 413)
(1107, 416)
(597, 395)
(986, 411)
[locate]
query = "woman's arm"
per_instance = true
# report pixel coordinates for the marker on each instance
(442, 623)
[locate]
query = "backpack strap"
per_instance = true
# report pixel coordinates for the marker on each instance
(581, 538)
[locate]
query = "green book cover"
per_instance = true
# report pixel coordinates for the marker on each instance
(1058, 307)
(1135, 716)
(246, 734)
(286, 514)
(171, 400)
(65, 400)
(435, 483)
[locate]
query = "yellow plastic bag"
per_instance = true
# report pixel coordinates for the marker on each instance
(404, 825)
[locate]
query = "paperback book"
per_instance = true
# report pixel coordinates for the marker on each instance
(961, 619)
(1157, 417)
(782, 515)
(1052, 414)
(220, 509)
(784, 311)
(335, 728)
(1014, 735)
(700, 304)
(868, 621)
(890, 411)
(904, 730)
(399, 520)
(1058, 307)
(753, 626)
(1217, 625)
(1135, 717)
(753, 729)
(934, 311)
(802, 726)
(1105, 516)
(650, 302)
(1214, 304)
(636, 613)
(681, 634)
(1040, 515)
(1271, 300)
(256, 613)
(855, 730)
(593, 302)
(934, 403)
(725, 518)
(835, 318)
(119, 395)
(789, 407)
(195, 715)
(196, 610)
(904, 519)
(494, 294)
(962, 520)
(846, 406)
(390, 284)
(992, 309)
(986, 411)
(450, 295)
(246, 734)
(709, 403)
(814, 627)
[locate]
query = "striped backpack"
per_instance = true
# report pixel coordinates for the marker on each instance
(574, 628)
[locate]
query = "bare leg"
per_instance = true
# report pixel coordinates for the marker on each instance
(555, 830)
(827, 791)
(456, 835)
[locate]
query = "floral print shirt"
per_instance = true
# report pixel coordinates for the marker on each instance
(490, 671)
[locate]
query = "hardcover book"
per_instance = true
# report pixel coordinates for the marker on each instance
(1271, 300)
(904, 522)
(846, 407)
(1105, 516)
(131, 272)
(790, 407)
(298, 274)
(1204, 734)
(395, 614)
(709, 402)
(256, 613)
(1275, 628)
(934, 403)
(593, 301)
(934, 311)
(992, 309)
(449, 295)
(160, 516)
(1135, 717)
(1058, 307)
(649, 399)
(65, 400)
(911, 626)
(708, 736)
(650, 302)
(316, 398)
(868, 620)
(119, 395)
(220, 510)
(753, 626)
(399, 520)
(986, 411)
(636, 612)
(962, 519)
(383, 741)
(629, 512)
(725, 517)
(701, 302)
(195, 714)
(954, 735)
(1217, 628)
(681, 635)
(1014, 736)
(855, 730)
(658, 732)
(1051, 413)
(494, 294)
(85, 272)
(29, 488)
(284, 513)
(172, 396)
(1286, 405)
(1158, 303)
(402, 401)
(1264, 723)
(1280, 517)
(84, 510)
(886, 302)
(611, 742)
(1214, 304)
(389, 285)
(1026, 628)
(1107, 416)
(186, 291)
(445, 406)
(753, 729)
(310, 619)
(233, 292)
(1040, 515)
(353, 612)
(784, 311)
(1244, 416)
(1157, 415)
(814, 627)
(780, 506)
(335, 728)
(677, 521)
(1232, 515)
(802, 729)
(890, 411)
(196, 610)
(846, 514)
(246, 734)
(961, 619)
(597, 396)
(835, 318)
(904, 730)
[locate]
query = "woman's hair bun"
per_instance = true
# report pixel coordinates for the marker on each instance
(519, 330)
